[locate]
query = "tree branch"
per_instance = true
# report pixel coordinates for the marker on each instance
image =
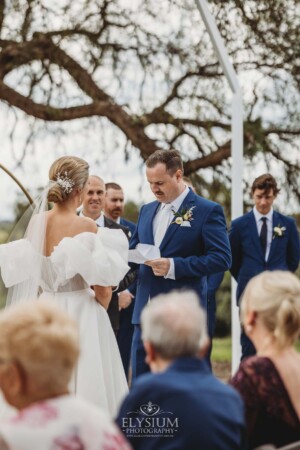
(115, 113)
(211, 160)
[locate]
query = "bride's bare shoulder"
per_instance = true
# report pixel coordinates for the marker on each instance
(86, 224)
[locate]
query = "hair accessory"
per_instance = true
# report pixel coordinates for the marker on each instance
(65, 182)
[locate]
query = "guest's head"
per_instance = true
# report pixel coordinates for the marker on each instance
(173, 326)
(39, 348)
(264, 190)
(69, 175)
(271, 303)
(114, 201)
(164, 171)
(93, 197)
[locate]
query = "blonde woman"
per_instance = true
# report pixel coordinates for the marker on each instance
(39, 348)
(270, 381)
(60, 258)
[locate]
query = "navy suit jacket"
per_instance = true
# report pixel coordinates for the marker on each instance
(210, 413)
(128, 224)
(199, 250)
(247, 255)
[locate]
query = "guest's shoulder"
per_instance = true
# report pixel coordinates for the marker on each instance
(256, 367)
(81, 406)
(152, 384)
(148, 379)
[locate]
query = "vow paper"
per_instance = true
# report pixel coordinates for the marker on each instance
(143, 252)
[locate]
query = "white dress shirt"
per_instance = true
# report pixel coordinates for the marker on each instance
(269, 223)
(175, 206)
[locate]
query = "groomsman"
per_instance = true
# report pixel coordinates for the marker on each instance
(190, 233)
(114, 206)
(93, 198)
(113, 210)
(262, 239)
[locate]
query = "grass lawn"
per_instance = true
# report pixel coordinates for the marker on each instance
(222, 349)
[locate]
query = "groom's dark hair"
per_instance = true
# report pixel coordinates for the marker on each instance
(171, 159)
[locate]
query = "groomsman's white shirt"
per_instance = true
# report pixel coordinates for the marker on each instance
(269, 223)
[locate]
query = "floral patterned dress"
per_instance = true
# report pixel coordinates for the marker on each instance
(61, 423)
(270, 415)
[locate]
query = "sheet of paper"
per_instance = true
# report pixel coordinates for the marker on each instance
(143, 252)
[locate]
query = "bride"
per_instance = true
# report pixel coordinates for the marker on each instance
(60, 257)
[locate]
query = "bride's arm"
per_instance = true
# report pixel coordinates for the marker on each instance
(103, 295)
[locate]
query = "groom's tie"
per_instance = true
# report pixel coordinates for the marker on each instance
(163, 223)
(263, 235)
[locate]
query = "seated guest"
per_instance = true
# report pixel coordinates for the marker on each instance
(181, 405)
(270, 382)
(38, 351)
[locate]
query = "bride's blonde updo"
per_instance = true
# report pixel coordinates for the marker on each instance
(275, 297)
(68, 173)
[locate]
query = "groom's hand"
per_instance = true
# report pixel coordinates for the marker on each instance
(160, 266)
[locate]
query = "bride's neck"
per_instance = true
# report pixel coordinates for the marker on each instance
(69, 206)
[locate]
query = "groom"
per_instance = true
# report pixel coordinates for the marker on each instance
(190, 232)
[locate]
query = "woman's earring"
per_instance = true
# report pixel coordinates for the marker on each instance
(249, 328)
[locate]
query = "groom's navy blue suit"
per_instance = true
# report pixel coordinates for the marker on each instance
(199, 250)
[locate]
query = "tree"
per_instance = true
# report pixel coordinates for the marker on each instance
(149, 68)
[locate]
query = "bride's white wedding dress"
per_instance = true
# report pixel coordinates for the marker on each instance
(66, 276)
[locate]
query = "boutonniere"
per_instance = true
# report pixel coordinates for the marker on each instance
(184, 217)
(278, 231)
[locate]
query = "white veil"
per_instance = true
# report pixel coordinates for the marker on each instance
(30, 244)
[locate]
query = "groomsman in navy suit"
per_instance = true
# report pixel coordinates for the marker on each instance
(262, 239)
(190, 233)
(113, 209)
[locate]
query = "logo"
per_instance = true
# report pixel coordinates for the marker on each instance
(150, 421)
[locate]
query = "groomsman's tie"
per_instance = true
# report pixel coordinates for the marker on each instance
(163, 223)
(263, 235)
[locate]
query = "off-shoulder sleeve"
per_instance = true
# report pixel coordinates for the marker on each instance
(101, 259)
(18, 261)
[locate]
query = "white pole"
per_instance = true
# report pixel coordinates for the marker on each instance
(236, 211)
(236, 153)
